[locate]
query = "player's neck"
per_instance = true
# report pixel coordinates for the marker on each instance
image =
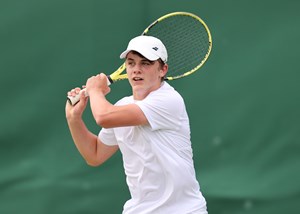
(140, 93)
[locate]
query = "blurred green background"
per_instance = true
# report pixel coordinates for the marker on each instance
(243, 104)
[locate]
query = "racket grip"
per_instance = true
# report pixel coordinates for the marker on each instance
(75, 99)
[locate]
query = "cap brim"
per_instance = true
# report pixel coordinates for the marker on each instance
(124, 54)
(147, 55)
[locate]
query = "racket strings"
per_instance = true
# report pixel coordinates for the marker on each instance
(186, 40)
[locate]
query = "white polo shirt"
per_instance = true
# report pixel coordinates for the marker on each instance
(157, 158)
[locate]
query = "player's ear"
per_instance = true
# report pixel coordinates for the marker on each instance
(164, 70)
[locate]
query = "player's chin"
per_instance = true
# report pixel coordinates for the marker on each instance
(138, 87)
(137, 83)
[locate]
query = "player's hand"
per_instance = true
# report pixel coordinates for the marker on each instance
(78, 109)
(97, 84)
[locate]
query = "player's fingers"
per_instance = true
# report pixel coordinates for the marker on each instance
(103, 78)
(83, 99)
(77, 90)
(74, 91)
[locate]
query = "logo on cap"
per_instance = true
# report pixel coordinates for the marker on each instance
(155, 48)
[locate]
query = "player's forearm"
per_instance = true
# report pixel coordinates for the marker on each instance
(100, 107)
(85, 141)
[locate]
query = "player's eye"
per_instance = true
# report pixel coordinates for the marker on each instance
(130, 63)
(146, 63)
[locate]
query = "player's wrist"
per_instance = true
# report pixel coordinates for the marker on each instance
(96, 92)
(74, 118)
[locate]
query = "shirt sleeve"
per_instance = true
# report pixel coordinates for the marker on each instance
(163, 110)
(107, 136)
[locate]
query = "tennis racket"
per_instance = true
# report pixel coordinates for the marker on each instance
(187, 40)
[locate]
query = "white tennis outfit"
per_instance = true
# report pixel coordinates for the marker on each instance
(158, 157)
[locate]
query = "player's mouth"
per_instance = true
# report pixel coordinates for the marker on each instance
(136, 79)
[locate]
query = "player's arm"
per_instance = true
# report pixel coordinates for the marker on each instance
(108, 115)
(87, 143)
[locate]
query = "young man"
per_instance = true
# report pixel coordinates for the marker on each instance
(151, 129)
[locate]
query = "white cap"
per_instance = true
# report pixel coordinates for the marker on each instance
(150, 47)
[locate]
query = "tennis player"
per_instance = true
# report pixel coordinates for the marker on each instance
(151, 129)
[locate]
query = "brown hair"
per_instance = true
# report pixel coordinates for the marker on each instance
(160, 61)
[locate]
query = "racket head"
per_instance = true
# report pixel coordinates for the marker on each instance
(187, 39)
(188, 42)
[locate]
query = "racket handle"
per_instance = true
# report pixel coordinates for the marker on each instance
(75, 99)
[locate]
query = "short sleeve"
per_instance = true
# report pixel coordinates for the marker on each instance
(107, 136)
(163, 110)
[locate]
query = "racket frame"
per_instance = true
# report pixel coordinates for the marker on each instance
(116, 76)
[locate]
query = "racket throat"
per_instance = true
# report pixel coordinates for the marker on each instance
(110, 81)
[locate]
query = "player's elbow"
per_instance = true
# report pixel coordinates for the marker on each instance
(93, 163)
(102, 121)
